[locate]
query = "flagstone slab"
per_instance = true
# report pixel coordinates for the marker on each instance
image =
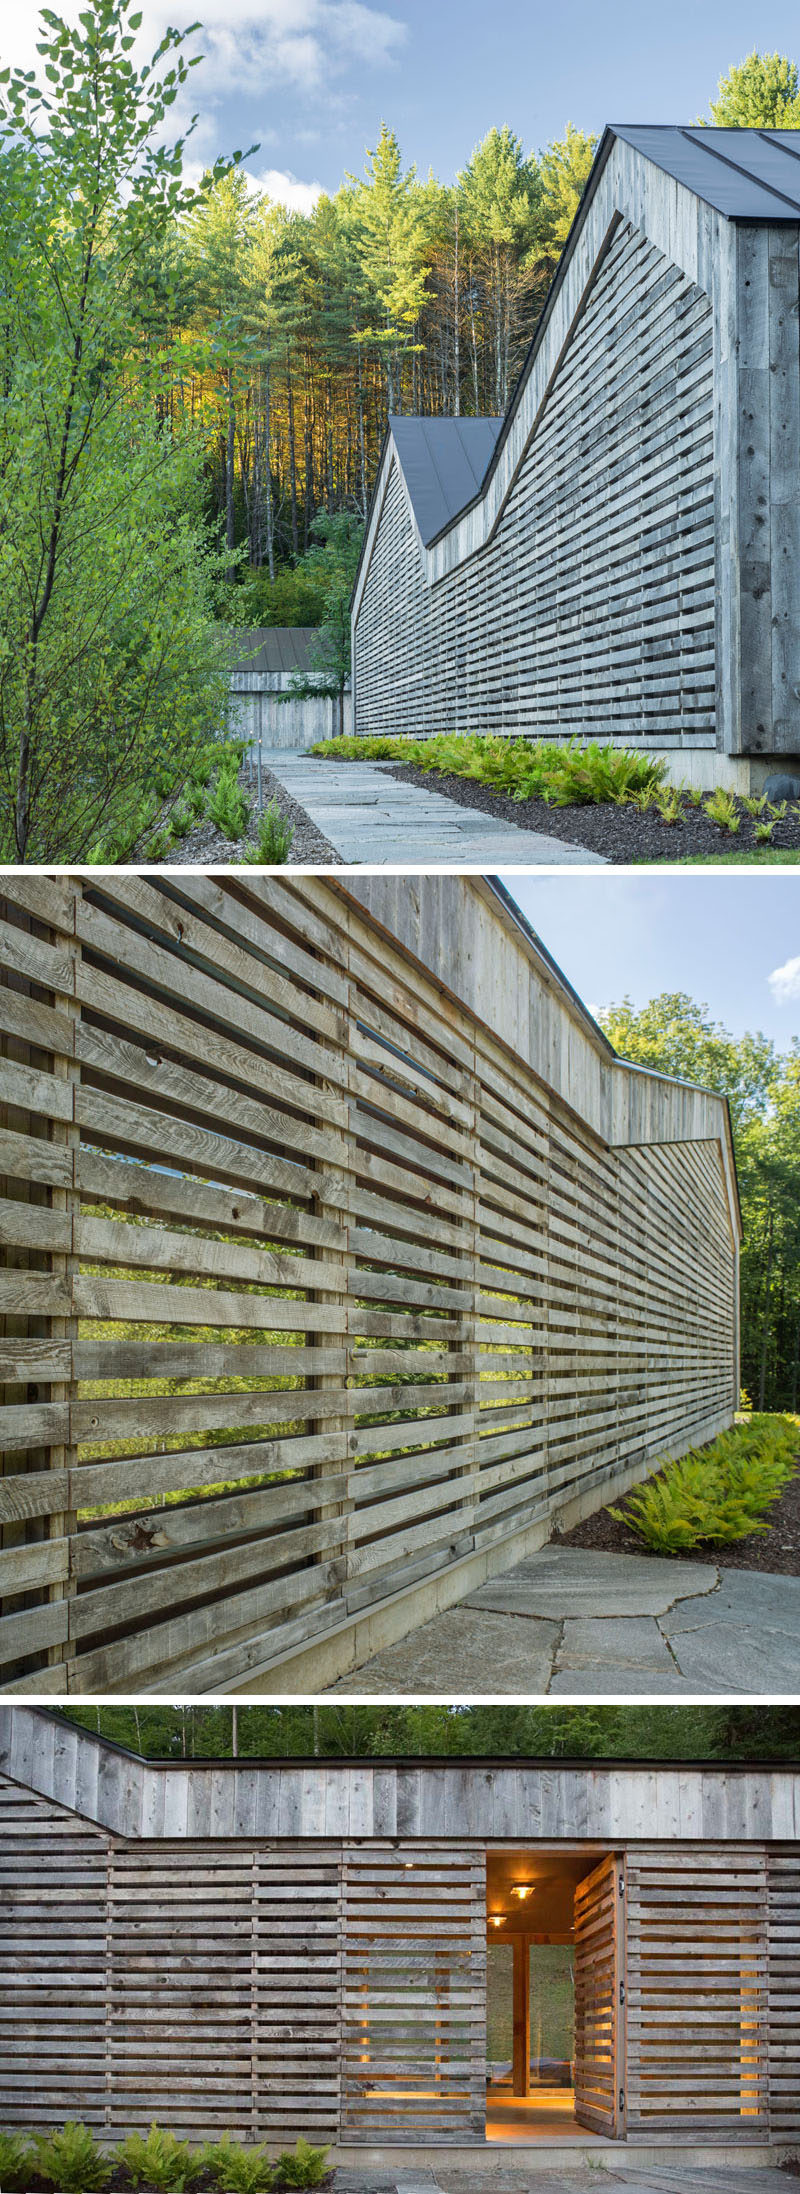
(372, 818)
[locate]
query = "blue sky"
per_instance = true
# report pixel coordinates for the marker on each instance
(312, 79)
(718, 937)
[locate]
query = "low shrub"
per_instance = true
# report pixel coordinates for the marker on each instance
(718, 1493)
(161, 2161)
(71, 2160)
(720, 807)
(239, 2170)
(15, 2161)
(227, 806)
(562, 772)
(274, 839)
(305, 2168)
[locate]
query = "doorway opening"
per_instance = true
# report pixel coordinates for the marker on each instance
(555, 1994)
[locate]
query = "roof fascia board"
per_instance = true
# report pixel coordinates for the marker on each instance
(137, 1799)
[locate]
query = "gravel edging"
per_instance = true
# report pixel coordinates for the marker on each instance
(622, 834)
(206, 845)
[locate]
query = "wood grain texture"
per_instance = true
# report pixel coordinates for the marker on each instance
(361, 1253)
(628, 566)
(314, 1935)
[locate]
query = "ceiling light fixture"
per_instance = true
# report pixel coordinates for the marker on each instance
(522, 1889)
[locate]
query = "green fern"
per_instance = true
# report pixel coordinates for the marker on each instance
(161, 2161)
(305, 2168)
(71, 2160)
(238, 2170)
(720, 1493)
(721, 809)
(15, 2161)
(561, 771)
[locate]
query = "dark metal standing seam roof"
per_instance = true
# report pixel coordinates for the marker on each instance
(443, 461)
(749, 175)
(274, 648)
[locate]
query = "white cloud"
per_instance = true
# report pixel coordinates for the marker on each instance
(784, 982)
(288, 190)
(252, 45)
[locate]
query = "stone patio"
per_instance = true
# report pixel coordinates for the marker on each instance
(572, 1621)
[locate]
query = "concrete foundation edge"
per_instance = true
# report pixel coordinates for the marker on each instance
(308, 1671)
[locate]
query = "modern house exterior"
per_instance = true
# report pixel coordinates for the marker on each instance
(342, 1255)
(618, 557)
(401, 1954)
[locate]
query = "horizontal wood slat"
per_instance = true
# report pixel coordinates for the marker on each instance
(599, 1930)
(311, 1286)
(590, 608)
(413, 1994)
(273, 1983)
(698, 1992)
(783, 1886)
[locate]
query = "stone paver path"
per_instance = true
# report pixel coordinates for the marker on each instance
(369, 816)
(569, 1621)
(495, 2177)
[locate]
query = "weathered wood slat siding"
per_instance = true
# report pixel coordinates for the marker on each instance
(53, 1962)
(414, 1993)
(591, 608)
(697, 1991)
(599, 2067)
(783, 1889)
(616, 575)
(314, 1934)
(468, 1265)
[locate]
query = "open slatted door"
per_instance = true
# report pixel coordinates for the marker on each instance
(599, 2099)
(414, 1994)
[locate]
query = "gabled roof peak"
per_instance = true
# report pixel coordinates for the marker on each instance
(443, 463)
(746, 174)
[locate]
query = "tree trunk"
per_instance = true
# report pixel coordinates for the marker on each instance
(456, 323)
(362, 451)
(765, 1328)
(269, 511)
(292, 460)
(230, 454)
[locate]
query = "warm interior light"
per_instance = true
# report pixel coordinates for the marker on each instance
(497, 1919)
(522, 1889)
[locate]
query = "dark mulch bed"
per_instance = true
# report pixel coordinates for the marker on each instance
(620, 833)
(776, 1552)
(120, 2183)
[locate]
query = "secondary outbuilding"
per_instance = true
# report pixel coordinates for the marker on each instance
(619, 556)
(401, 1952)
